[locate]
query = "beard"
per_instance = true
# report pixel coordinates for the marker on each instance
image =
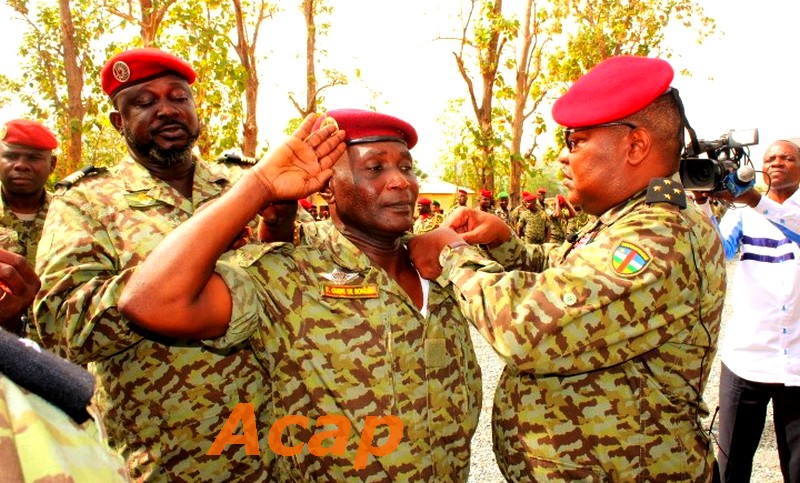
(159, 156)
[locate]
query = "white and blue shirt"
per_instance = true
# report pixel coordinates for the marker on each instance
(762, 336)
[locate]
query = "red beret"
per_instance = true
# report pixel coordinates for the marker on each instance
(528, 197)
(541, 190)
(369, 127)
(28, 133)
(486, 193)
(305, 203)
(140, 65)
(462, 191)
(424, 201)
(614, 89)
(525, 193)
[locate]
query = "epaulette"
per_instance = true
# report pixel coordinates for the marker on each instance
(71, 179)
(235, 156)
(666, 190)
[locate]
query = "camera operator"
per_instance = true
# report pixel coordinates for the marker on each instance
(761, 349)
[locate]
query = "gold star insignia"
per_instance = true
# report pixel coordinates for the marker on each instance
(667, 182)
(656, 188)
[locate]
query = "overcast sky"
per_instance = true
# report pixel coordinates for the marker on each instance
(744, 78)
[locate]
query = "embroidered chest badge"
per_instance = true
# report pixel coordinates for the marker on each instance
(629, 259)
(339, 287)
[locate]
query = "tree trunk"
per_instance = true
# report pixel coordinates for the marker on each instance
(76, 110)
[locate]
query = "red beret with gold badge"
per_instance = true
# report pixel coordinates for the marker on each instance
(32, 134)
(424, 201)
(614, 89)
(369, 127)
(141, 65)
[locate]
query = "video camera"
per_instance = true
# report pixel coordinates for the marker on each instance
(727, 163)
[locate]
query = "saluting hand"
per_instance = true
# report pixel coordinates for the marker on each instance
(302, 164)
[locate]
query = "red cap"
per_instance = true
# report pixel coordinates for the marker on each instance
(525, 193)
(541, 190)
(460, 190)
(369, 127)
(305, 203)
(28, 133)
(423, 201)
(486, 193)
(140, 65)
(528, 197)
(614, 89)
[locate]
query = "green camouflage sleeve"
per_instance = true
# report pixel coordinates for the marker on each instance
(580, 315)
(517, 255)
(38, 442)
(76, 310)
(248, 297)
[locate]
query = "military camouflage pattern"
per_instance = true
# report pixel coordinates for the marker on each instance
(532, 224)
(504, 215)
(606, 370)
(22, 237)
(356, 357)
(19, 236)
(38, 442)
(559, 226)
(163, 401)
(429, 223)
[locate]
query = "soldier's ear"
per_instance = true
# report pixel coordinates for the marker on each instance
(327, 193)
(116, 120)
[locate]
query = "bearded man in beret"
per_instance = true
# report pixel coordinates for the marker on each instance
(343, 323)
(608, 339)
(163, 400)
(26, 161)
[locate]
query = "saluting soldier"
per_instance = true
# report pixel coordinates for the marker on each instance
(26, 161)
(608, 342)
(163, 400)
(343, 323)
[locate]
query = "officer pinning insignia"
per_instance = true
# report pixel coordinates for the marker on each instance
(629, 259)
(666, 190)
(71, 179)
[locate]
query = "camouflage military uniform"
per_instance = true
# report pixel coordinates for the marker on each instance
(356, 357)
(428, 223)
(19, 236)
(38, 442)
(559, 226)
(532, 225)
(504, 215)
(608, 350)
(163, 401)
(22, 237)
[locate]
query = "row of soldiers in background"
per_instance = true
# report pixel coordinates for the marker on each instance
(535, 220)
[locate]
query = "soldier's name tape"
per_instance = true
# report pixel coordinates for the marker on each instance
(245, 413)
(366, 291)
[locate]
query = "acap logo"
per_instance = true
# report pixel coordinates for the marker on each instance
(245, 413)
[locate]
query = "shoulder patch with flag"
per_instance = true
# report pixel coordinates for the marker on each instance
(629, 259)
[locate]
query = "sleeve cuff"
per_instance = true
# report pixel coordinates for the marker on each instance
(244, 310)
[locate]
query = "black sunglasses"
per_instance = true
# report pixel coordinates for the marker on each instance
(569, 132)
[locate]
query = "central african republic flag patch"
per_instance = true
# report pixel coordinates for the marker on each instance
(629, 259)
